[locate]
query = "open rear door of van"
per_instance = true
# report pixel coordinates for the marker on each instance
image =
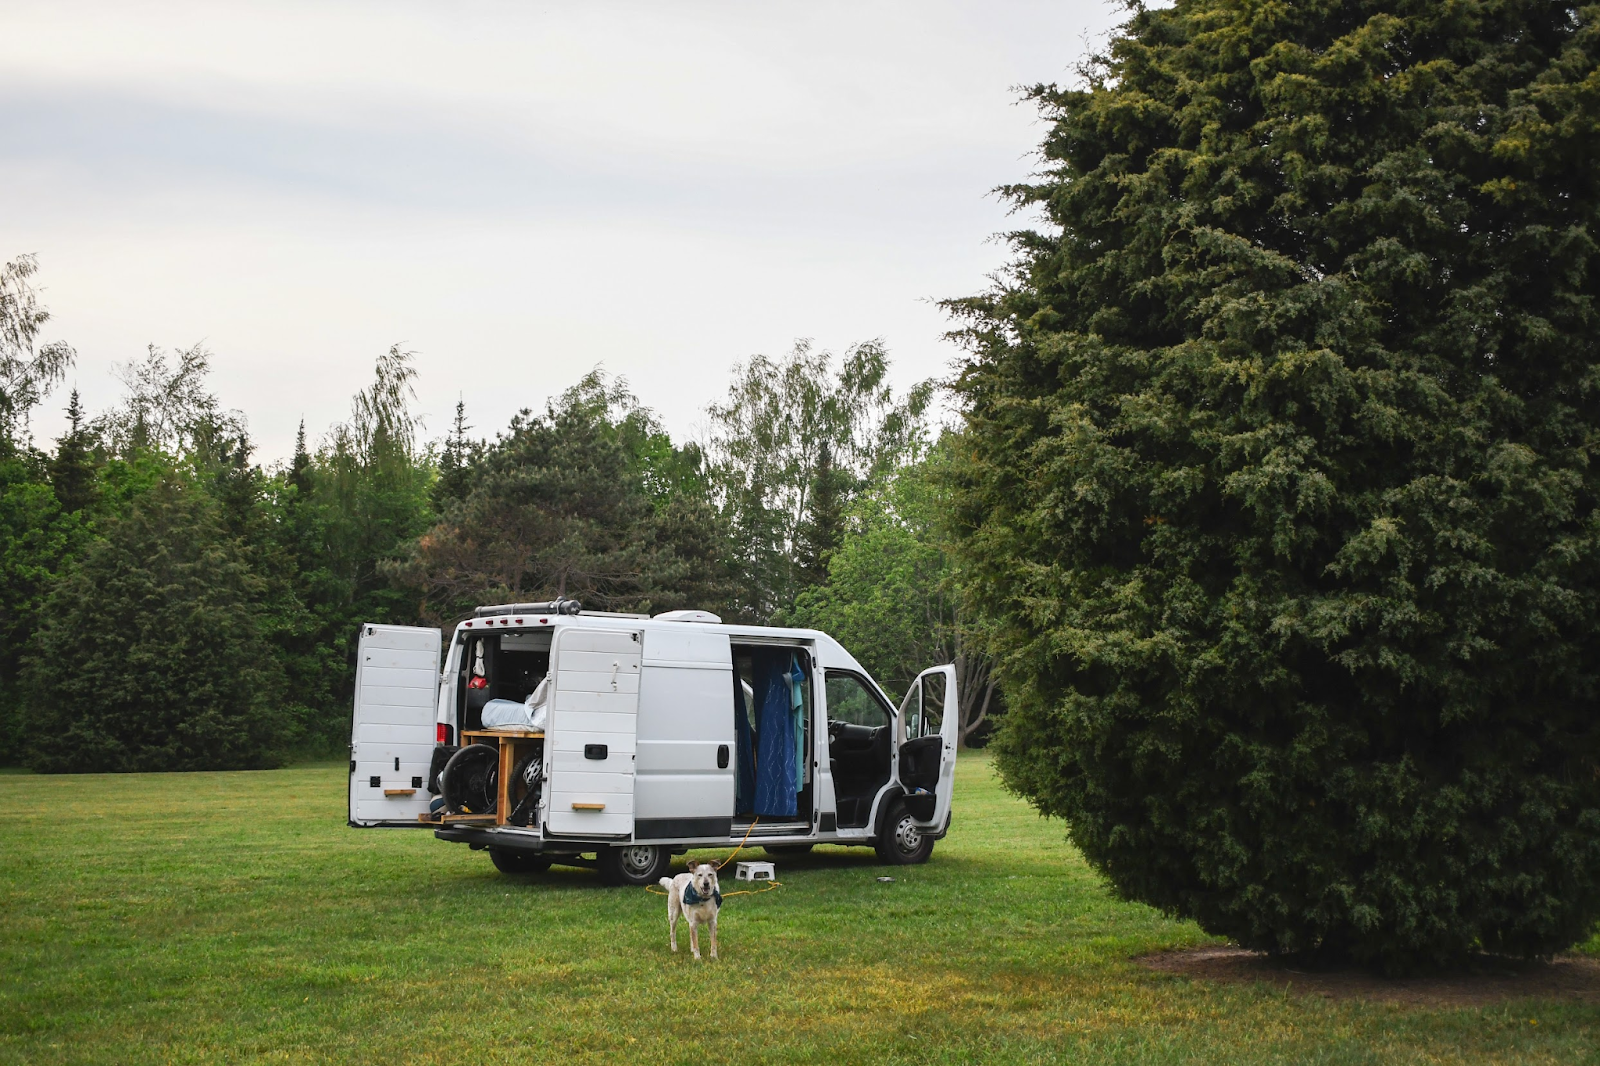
(392, 735)
(591, 732)
(925, 758)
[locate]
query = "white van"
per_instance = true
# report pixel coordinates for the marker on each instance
(658, 735)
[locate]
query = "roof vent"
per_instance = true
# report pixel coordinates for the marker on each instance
(689, 616)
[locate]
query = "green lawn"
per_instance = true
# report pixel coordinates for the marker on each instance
(233, 917)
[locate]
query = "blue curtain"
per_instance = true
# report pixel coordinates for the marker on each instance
(744, 788)
(797, 707)
(776, 767)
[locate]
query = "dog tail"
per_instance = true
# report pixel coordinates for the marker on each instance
(666, 883)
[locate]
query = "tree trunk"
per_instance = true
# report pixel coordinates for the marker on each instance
(974, 679)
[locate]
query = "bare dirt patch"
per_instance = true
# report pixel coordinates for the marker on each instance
(1486, 982)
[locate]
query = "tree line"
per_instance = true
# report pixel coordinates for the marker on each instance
(170, 602)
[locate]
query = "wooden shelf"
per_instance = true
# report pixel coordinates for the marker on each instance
(509, 741)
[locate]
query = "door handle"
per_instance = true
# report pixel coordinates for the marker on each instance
(722, 756)
(594, 751)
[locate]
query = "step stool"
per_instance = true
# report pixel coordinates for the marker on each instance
(755, 871)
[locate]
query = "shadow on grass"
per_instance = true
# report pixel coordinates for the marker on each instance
(1486, 981)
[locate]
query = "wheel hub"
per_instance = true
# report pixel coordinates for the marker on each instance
(638, 859)
(907, 837)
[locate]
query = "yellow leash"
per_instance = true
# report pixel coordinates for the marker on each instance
(740, 848)
(657, 890)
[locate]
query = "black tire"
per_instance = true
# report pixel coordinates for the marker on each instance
(515, 861)
(634, 864)
(786, 849)
(901, 843)
(470, 781)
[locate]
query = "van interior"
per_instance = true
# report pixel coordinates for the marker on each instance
(499, 666)
(776, 778)
(860, 745)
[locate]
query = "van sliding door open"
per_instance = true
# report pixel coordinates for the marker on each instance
(392, 732)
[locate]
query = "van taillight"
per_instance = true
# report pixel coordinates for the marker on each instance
(442, 733)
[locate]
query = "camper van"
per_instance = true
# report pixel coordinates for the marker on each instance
(640, 738)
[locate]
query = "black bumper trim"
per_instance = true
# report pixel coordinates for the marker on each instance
(681, 828)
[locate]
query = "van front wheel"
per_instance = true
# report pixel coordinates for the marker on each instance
(634, 864)
(900, 842)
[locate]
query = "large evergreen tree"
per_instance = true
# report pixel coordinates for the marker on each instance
(1282, 475)
(589, 500)
(36, 538)
(150, 653)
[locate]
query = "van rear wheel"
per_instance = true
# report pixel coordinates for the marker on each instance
(634, 864)
(513, 861)
(900, 842)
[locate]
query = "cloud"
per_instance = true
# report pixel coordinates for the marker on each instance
(517, 191)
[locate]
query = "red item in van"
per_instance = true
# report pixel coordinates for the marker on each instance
(478, 682)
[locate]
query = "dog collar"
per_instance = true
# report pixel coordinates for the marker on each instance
(692, 898)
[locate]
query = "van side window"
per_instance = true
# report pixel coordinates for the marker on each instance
(926, 713)
(851, 702)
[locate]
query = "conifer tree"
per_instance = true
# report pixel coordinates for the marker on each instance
(177, 675)
(72, 468)
(822, 531)
(300, 465)
(560, 506)
(455, 461)
(1281, 476)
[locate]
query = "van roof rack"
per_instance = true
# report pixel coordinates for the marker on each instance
(557, 606)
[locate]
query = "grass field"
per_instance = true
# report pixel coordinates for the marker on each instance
(233, 918)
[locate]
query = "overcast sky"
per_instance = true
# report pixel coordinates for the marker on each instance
(517, 192)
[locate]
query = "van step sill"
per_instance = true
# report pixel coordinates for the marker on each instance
(771, 829)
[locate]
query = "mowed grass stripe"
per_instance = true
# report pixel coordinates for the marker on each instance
(215, 918)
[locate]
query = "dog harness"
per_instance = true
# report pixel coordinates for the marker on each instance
(691, 897)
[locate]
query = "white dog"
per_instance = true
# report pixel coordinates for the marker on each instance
(694, 895)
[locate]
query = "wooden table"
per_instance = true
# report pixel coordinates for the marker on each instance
(510, 741)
